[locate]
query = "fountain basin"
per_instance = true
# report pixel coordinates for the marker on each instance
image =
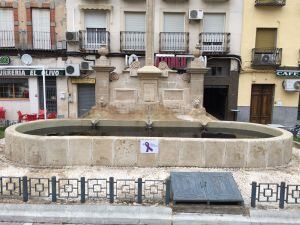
(254, 146)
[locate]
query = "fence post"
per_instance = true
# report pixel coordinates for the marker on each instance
(139, 191)
(25, 189)
(253, 194)
(82, 189)
(168, 191)
(53, 184)
(111, 190)
(282, 195)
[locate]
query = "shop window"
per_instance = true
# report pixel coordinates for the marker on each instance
(14, 88)
(219, 67)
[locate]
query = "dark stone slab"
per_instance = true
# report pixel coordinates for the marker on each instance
(205, 187)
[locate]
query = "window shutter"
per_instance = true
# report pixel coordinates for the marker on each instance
(95, 19)
(41, 20)
(6, 20)
(265, 38)
(214, 22)
(135, 21)
(173, 22)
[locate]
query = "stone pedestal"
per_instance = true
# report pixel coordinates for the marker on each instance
(102, 84)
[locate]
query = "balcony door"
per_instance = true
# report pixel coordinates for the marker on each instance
(7, 37)
(95, 26)
(173, 38)
(261, 103)
(41, 38)
(135, 27)
(213, 37)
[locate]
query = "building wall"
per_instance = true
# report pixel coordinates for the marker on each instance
(285, 19)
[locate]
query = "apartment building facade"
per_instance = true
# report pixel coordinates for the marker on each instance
(120, 26)
(64, 37)
(32, 38)
(268, 85)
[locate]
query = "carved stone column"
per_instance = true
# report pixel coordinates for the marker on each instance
(149, 32)
(103, 70)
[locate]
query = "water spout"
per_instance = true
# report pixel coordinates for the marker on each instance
(94, 123)
(149, 121)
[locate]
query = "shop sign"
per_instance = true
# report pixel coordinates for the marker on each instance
(149, 146)
(83, 80)
(32, 72)
(288, 73)
(4, 60)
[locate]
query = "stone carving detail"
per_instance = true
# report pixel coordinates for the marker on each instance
(113, 76)
(163, 66)
(199, 61)
(133, 67)
(186, 77)
(103, 61)
(196, 103)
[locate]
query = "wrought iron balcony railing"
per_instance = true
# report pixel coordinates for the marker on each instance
(93, 39)
(266, 57)
(28, 40)
(132, 41)
(7, 39)
(215, 43)
(270, 2)
(174, 42)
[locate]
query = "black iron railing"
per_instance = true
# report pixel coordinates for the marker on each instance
(270, 2)
(132, 41)
(7, 39)
(93, 39)
(174, 42)
(214, 43)
(275, 193)
(82, 190)
(266, 56)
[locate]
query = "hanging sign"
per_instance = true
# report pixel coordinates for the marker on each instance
(4, 60)
(149, 146)
(288, 73)
(31, 72)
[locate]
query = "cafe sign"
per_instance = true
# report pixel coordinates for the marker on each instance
(31, 72)
(288, 73)
(4, 60)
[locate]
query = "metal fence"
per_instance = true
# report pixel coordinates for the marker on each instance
(82, 190)
(275, 193)
(174, 42)
(92, 39)
(214, 42)
(266, 56)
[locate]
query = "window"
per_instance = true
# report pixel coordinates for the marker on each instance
(214, 22)
(266, 38)
(41, 29)
(219, 67)
(14, 88)
(7, 38)
(135, 21)
(173, 22)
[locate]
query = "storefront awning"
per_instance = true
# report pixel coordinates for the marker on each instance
(96, 6)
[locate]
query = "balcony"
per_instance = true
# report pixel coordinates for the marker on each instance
(174, 42)
(214, 43)
(93, 39)
(266, 57)
(132, 41)
(28, 40)
(270, 2)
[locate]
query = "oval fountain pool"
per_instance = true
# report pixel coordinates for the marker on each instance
(56, 143)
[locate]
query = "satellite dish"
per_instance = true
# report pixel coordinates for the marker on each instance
(132, 58)
(26, 59)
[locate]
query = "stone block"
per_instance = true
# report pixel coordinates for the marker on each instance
(80, 151)
(125, 152)
(214, 153)
(275, 154)
(287, 148)
(192, 154)
(168, 152)
(235, 154)
(56, 152)
(147, 160)
(102, 152)
(257, 155)
(17, 153)
(34, 154)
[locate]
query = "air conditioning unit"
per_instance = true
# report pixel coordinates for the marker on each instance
(73, 70)
(72, 36)
(85, 66)
(291, 85)
(195, 14)
(267, 58)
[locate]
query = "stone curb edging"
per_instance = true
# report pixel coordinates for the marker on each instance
(150, 215)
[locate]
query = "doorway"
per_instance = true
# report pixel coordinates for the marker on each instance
(216, 100)
(86, 98)
(261, 103)
(51, 94)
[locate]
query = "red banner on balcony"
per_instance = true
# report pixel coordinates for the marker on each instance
(172, 61)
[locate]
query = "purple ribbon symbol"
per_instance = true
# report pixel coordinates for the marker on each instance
(148, 147)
